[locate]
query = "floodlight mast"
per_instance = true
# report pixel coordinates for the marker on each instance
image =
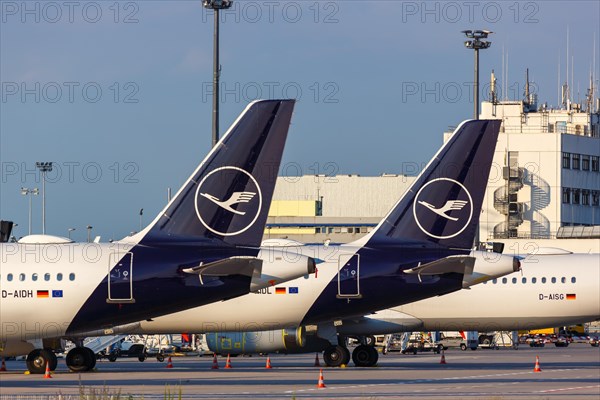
(44, 167)
(216, 5)
(476, 43)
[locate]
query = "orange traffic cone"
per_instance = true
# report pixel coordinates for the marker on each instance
(215, 364)
(537, 368)
(321, 383)
(317, 363)
(169, 363)
(3, 367)
(47, 373)
(228, 363)
(443, 359)
(268, 366)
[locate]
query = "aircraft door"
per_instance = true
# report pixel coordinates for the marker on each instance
(120, 279)
(349, 276)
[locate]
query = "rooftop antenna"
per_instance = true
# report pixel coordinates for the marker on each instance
(527, 85)
(493, 88)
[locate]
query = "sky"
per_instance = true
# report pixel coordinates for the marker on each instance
(118, 93)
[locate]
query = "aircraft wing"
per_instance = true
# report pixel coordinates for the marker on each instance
(458, 264)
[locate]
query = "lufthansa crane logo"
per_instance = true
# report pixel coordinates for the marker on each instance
(228, 214)
(444, 199)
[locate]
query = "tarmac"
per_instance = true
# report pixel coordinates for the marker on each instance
(566, 373)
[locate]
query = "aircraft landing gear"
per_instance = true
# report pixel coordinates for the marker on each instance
(365, 356)
(335, 356)
(81, 359)
(37, 359)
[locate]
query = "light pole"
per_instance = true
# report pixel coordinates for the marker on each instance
(476, 43)
(44, 167)
(89, 231)
(216, 5)
(70, 230)
(29, 192)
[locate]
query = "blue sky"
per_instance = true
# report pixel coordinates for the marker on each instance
(117, 94)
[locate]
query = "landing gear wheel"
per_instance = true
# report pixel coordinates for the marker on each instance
(365, 356)
(37, 359)
(79, 359)
(335, 356)
(92, 357)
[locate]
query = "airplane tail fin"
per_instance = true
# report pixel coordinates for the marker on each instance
(444, 203)
(227, 198)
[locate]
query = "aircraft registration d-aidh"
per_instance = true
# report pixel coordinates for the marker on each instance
(414, 253)
(195, 252)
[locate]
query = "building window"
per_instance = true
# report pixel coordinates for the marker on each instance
(595, 163)
(585, 163)
(575, 163)
(566, 160)
(595, 198)
(585, 197)
(566, 198)
(576, 196)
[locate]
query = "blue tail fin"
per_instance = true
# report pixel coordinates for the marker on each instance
(444, 203)
(227, 198)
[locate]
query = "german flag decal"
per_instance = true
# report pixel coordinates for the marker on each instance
(42, 293)
(280, 290)
(571, 296)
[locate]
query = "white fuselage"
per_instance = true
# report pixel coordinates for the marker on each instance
(550, 291)
(43, 286)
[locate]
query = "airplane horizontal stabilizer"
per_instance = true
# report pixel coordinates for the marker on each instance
(247, 266)
(458, 264)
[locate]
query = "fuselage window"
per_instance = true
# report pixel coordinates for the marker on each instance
(563, 280)
(553, 280)
(504, 280)
(494, 280)
(533, 280)
(544, 280)
(34, 277)
(573, 280)
(72, 276)
(524, 280)
(514, 280)
(46, 277)
(9, 277)
(59, 277)
(21, 277)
